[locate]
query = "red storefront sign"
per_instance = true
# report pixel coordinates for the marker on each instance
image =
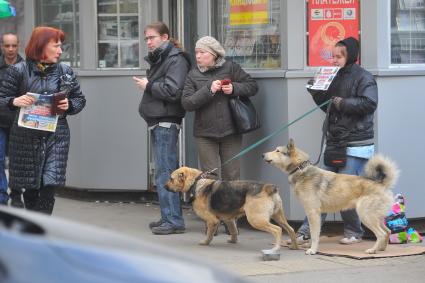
(330, 21)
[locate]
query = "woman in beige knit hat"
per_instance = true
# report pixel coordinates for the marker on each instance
(207, 91)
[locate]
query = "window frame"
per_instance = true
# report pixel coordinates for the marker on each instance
(212, 5)
(75, 61)
(395, 4)
(118, 15)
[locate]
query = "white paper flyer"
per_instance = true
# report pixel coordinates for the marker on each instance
(38, 116)
(324, 77)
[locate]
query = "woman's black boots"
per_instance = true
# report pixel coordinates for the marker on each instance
(16, 198)
(42, 200)
(31, 199)
(46, 199)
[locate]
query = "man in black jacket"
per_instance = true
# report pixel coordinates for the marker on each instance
(9, 56)
(161, 109)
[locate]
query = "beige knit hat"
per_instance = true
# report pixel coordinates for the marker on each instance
(211, 45)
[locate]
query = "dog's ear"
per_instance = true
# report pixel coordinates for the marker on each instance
(291, 146)
(181, 177)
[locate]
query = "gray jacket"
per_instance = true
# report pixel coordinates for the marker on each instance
(213, 117)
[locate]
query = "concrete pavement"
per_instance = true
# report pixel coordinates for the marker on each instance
(243, 258)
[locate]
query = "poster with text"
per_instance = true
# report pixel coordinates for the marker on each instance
(324, 77)
(330, 21)
(248, 12)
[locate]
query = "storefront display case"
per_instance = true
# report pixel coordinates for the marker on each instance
(62, 14)
(249, 32)
(408, 32)
(118, 34)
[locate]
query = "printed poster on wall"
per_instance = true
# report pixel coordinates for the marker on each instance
(330, 21)
(248, 12)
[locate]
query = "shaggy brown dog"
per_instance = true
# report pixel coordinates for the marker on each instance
(219, 200)
(324, 191)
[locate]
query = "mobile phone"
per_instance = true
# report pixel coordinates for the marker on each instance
(225, 82)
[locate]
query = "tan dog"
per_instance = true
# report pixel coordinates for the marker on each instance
(324, 191)
(219, 200)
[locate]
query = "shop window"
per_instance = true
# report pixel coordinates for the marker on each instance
(118, 33)
(62, 14)
(407, 32)
(249, 31)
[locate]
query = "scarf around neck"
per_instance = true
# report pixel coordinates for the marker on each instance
(218, 63)
(154, 56)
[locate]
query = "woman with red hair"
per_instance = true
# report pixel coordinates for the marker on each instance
(37, 159)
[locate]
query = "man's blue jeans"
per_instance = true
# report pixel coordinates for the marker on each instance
(166, 161)
(352, 224)
(3, 181)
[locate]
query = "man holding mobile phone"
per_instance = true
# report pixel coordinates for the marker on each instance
(161, 109)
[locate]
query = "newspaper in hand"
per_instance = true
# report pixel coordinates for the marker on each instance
(324, 77)
(39, 115)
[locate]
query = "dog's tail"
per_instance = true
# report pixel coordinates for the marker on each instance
(382, 170)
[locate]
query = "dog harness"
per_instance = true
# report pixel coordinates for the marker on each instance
(192, 188)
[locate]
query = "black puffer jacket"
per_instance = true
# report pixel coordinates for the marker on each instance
(161, 100)
(353, 122)
(38, 158)
(213, 117)
(6, 115)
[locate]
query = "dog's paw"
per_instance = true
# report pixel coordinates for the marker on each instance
(293, 246)
(382, 248)
(232, 240)
(310, 252)
(370, 251)
(204, 243)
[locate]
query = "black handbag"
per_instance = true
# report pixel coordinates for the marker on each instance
(335, 156)
(244, 114)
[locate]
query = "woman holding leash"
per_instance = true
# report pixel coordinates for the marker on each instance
(207, 91)
(350, 135)
(38, 158)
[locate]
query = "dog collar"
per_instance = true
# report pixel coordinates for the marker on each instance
(301, 166)
(204, 175)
